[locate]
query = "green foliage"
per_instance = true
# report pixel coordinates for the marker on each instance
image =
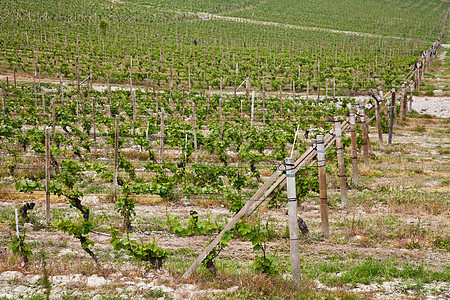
(78, 229)
(125, 206)
(267, 264)
(372, 270)
(194, 226)
(143, 251)
(19, 246)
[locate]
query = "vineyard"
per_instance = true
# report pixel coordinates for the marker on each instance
(135, 134)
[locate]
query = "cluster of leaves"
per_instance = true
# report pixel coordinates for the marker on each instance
(142, 251)
(19, 247)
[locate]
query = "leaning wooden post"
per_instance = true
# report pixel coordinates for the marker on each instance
(161, 138)
(293, 224)
(391, 119)
(362, 121)
(116, 158)
(194, 127)
(47, 175)
(340, 157)
(378, 121)
(322, 186)
(354, 146)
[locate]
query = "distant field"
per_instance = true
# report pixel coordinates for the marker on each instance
(200, 51)
(408, 18)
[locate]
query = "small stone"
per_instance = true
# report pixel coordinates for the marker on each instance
(90, 200)
(95, 281)
(10, 275)
(32, 278)
(232, 289)
(28, 227)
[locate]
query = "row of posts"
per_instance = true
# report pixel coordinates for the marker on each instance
(358, 117)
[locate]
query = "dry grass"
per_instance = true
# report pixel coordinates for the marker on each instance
(10, 195)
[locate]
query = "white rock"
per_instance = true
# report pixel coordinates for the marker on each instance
(95, 281)
(65, 279)
(28, 227)
(90, 200)
(10, 275)
(32, 278)
(162, 288)
(21, 290)
(232, 289)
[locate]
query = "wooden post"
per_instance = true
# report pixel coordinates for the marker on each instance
(281, 104)
(3, 100)
(252, 108)
(156, 103)
(293, 96)
(411, 98)
(354, 146)
(378, 121)
(131, 76)
(221, 117)
(47, 175)
(340, 157)
(404, 106)
(189, 78)
(109, 91)
(15, 83)
(53, 120)
(161, 141)
(322, 186)
(94, 125)
(133, 97)
(383, 107)
(318, 95)
(362, 121)
(35, 91)
(391, 119)
(116, 158)
(264, 101)
(235, 84)
(326, 88)
(334, 88)
(293, 224)
(61, 89)
(183, 104)
(43, 107)
(194, 127)
(307, 92)
(403, 89)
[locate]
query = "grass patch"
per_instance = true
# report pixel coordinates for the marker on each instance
(339, 273)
